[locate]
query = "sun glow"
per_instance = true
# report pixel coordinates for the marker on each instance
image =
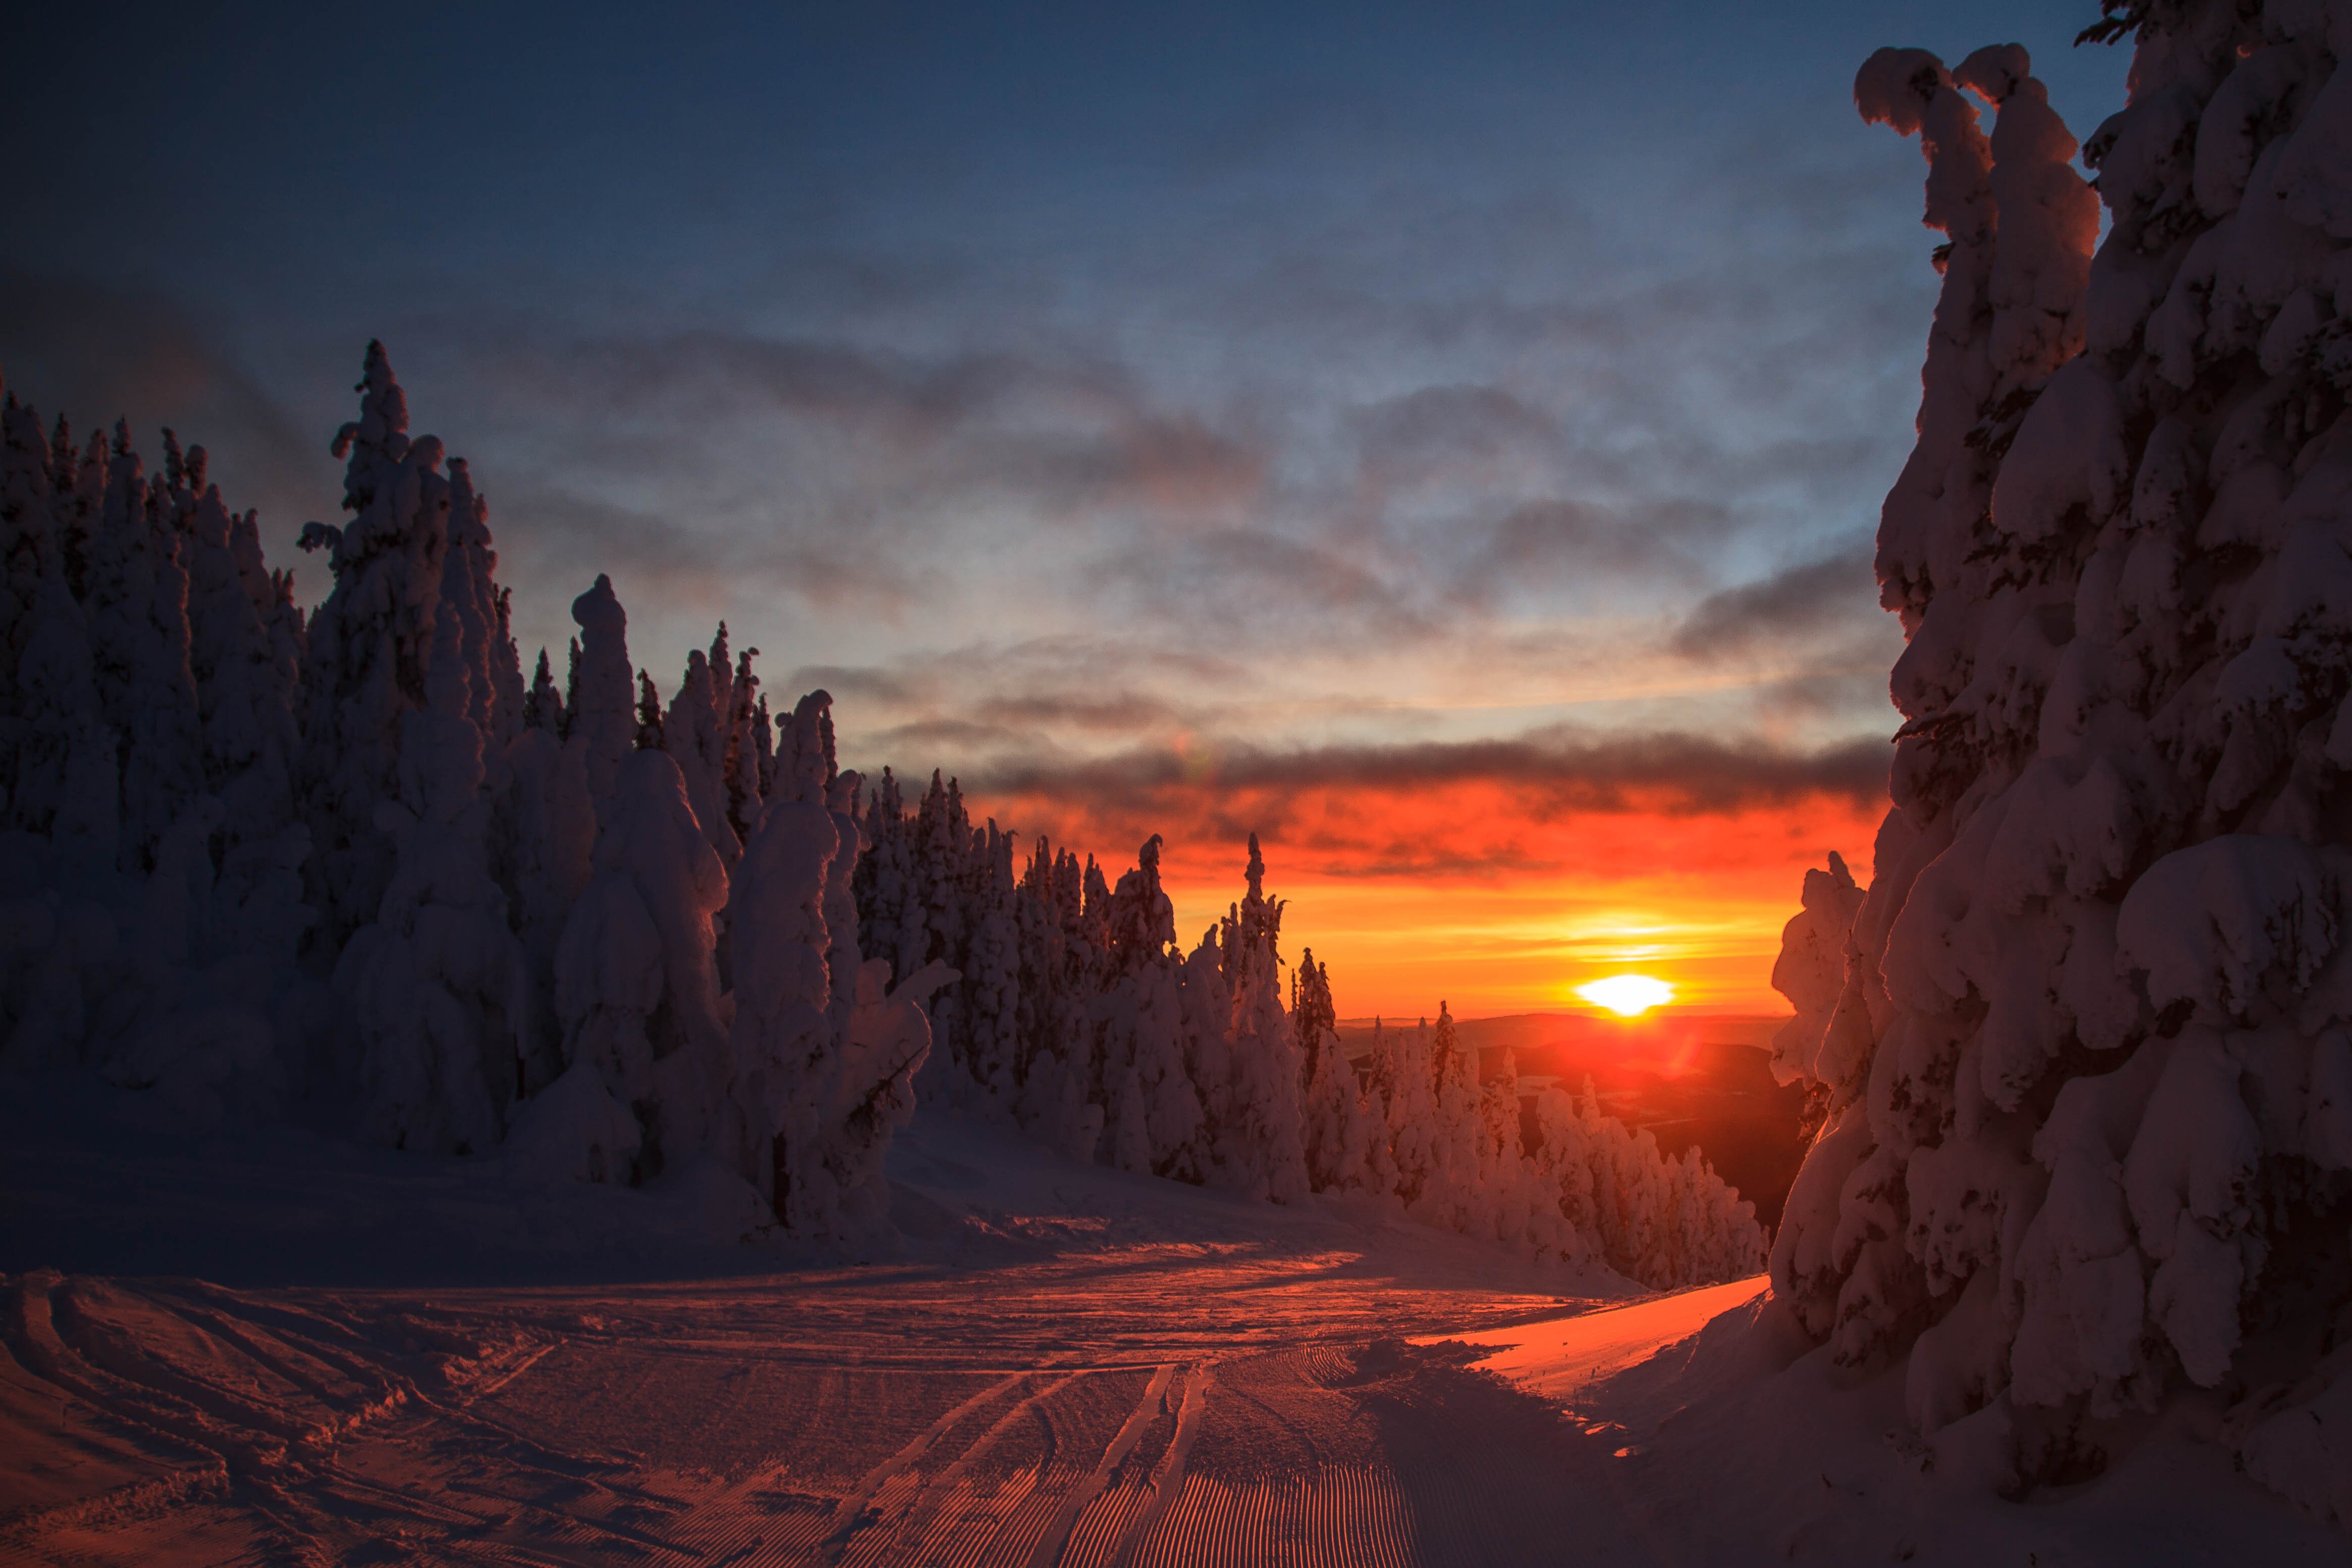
(1627, 996)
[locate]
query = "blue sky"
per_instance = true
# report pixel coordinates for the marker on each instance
(1063, 387)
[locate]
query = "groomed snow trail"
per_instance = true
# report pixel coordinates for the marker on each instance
(1140, 1406)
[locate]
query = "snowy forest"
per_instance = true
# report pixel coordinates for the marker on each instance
(347, 867)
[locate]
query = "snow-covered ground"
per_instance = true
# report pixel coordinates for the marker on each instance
(288, 1348)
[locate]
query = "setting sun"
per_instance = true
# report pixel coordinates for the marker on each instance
(1627, 996)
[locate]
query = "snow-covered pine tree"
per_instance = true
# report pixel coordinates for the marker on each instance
(694, 731)
(1339, 1126)
(59, 764)
(543, 709)
(368, 644)
(28, 556)
(470, 594)
(826, 1072)
(249, 727)
(1452, 1195)
(636, 986)
(600, 707)
(2086, 1057)
(437, 989)
(749, 764)
(137, 606)
(1403, 1070)
(990, 991)
(1256, 1141)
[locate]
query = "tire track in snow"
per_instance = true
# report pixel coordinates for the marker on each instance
(847, 1509)
(958, 1540)
(849, 1516)
(1056, 1539)
(1105, 1523)
(1168, 1478)
(752, 1533)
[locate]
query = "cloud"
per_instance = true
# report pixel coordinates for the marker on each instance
(1796, 607)
(1064, 437)
(1558, 770)
(1544, 546)
(1275, 589)
(1441, 432)
(1546, 811)
(1109, 711)
(851, 682)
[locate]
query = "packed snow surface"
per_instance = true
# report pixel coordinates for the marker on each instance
(1560, 1358)
(400, 1359)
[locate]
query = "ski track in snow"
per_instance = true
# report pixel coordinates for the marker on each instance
(1151, 1405)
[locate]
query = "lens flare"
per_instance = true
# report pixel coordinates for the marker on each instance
(1627, 996)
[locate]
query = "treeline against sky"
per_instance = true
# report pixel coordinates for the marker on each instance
(352, 867)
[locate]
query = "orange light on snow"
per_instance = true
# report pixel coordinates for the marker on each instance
(1627, 996)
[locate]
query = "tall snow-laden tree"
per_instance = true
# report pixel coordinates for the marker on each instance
(694, 732)
(29, 554)
(1139, 1020)
(1338, 1124)
(600, 707)
(437, 988)
(2084, 1056)
(370, 643)
(137, 605)
(59, 764)
(825, 1050)
(1259, 1142)
(636, 985)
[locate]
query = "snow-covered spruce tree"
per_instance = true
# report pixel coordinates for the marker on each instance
(884, 878)
(367, 646)
(56, 756)
(1256, 1141)
(437, 988)
(546, 828)
(637, 984)
(2085, 1061)
(600, 707)
(990, 1000)
(58, 951)
(695, 732)
(822, 1078)
(1403, 1075)
(1338, 1133)
(941, 856)
(1452, 1195)
(137, 606)
(28, 557)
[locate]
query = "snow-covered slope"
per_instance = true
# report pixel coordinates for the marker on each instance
(1053, 1361)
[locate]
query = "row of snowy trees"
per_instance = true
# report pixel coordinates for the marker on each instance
(251, 859)
(1079, 1016)
(2085, 1035)
(254, 860)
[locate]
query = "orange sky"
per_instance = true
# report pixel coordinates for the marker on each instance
(1471, 892)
